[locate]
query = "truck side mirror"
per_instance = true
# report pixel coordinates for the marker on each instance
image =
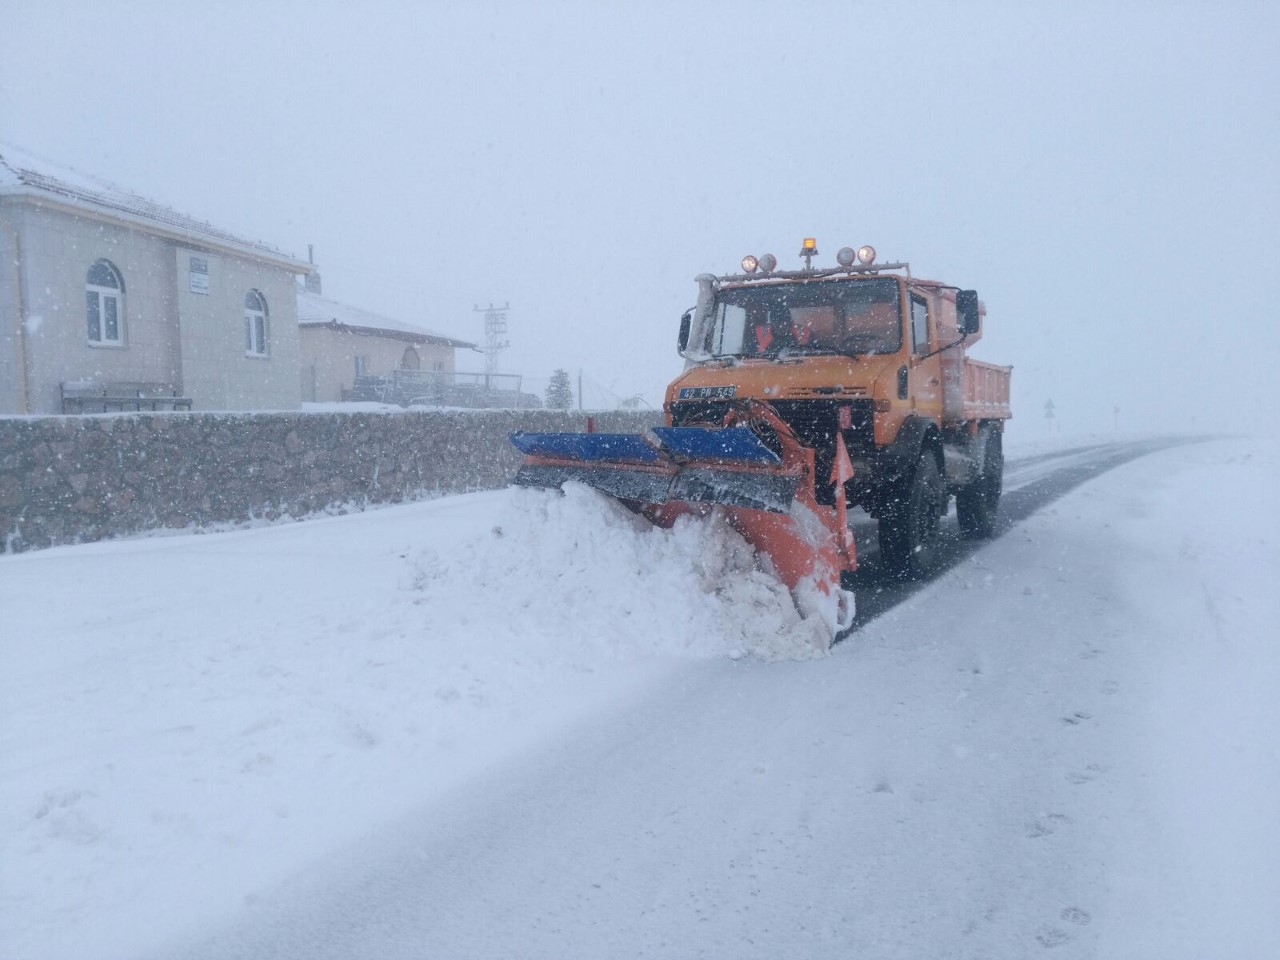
(967, 311)
(685, 323)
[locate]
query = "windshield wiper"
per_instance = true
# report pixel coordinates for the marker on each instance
(802, 351)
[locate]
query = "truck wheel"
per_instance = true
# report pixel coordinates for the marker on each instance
(909, 528)
(978, 503)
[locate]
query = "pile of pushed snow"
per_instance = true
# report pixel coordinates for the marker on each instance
(214, 711)
(580, 570)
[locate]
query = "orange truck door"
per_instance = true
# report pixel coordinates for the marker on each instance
(926, 372)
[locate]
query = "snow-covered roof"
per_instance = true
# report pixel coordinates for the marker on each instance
(315, 310)
(24, 174)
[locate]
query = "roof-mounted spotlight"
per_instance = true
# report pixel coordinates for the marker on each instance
(866, 255)
(845, 256)
(768, 263)
(749, 264)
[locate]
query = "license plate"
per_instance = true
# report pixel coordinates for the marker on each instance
(707, 393)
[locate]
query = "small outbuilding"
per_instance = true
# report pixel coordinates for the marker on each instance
(349, 353)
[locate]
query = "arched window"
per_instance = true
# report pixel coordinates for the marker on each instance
(410, 360)
(255, 324)
(104, 304)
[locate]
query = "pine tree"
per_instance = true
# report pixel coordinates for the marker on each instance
(559, 391)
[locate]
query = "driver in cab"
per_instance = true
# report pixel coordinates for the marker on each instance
(774, 331)
(798, 327)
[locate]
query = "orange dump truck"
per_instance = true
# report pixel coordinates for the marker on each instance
(806, 392)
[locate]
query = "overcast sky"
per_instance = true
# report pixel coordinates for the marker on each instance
(1105, 175)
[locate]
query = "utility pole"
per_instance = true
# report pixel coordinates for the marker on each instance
(495, 339)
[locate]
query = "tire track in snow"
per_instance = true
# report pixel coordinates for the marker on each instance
(1031, 484)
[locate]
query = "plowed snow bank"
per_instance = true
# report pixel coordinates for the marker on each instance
(585, 572)
(186, 719)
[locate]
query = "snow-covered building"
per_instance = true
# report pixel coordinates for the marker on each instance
(101, 287)
(343, 345)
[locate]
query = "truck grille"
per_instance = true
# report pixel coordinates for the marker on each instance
(814, 421)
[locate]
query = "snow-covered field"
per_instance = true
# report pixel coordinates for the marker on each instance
(1068, 741)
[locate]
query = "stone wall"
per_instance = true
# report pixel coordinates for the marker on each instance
(77, 479)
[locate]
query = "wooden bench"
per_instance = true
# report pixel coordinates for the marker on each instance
(86, 396)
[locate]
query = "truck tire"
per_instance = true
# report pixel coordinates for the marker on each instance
(908, 530)
(979, 502)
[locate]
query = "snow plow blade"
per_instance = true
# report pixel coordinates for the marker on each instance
(692, 464)
(767, 494)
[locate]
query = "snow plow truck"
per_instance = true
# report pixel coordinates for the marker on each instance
(806, 393)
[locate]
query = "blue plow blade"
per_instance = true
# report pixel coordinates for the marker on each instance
(693, 464)
(732, 445)
(587, 447)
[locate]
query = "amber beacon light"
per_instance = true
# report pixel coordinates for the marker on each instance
(809, 250)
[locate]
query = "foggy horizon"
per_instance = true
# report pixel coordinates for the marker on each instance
(1082, 168)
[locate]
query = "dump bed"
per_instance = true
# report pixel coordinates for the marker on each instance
(973, 390)
(986, 391)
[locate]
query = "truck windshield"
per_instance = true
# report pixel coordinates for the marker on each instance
(849, 317)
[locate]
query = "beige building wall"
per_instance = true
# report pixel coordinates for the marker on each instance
(218, 373)
(11, 292)
(329, 359)
(206, 362)
(58, 248)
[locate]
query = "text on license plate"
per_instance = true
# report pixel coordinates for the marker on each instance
(707, 393)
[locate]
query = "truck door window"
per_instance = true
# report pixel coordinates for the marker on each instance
(919, 325)
(730, 329)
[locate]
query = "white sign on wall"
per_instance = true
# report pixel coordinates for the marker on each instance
(199, 274)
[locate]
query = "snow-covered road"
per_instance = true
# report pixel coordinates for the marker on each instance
(323, 741)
